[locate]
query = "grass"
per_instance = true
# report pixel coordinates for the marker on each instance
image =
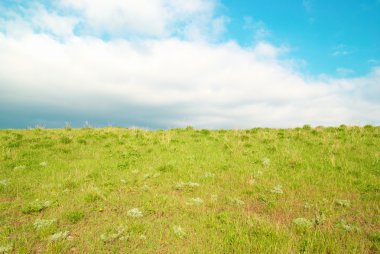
(114, 190)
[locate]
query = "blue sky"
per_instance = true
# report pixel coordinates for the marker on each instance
(206, 63)
(328, 35)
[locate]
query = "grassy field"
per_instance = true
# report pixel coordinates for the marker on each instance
(114, 190)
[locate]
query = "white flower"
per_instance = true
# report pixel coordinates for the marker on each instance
(182, 185)
(103, 237)
(135, 213)
(277, 189)
(40, 223)
(209, 175)
(21, 167)
(266, 162)
(345, 226)
(4, 183)
(115, 236)
(6, 249)
(191, 184)
(343, 202)
(214, 197)
(259, 173)
(124, 238)
(59, 236)
(319, 218)
(195, 201)
(179, 232)
(43, 164)
(303, 223)
(36, 206)
(147, 176)
(237, 201)
(142, 237)
(251, 181)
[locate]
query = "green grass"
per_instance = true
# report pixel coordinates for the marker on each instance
(303, 190)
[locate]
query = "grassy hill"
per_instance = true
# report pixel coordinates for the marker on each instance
(114, 190)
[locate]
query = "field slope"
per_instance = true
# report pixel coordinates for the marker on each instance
(114, 190)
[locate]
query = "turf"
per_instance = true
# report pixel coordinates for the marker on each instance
(116, 190)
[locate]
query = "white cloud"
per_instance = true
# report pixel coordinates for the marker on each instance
(146, 17)
(308, 5)
(374, 61)
(36, 19)
(114, 16)
(344, 72)
(171, 81)
(342, 50)
(53, 23)
(258, 28)
(208, 85)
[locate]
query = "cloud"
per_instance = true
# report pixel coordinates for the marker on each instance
(308, 5)
(342, 50)
(35, 18)
(54, 24)
(167, 81)
(344, 72)
(374, 61)
(157, 18)
(259, 28)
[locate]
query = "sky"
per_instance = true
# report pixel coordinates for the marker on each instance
(214, 64)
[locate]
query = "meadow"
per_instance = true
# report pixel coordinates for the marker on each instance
(117, 190)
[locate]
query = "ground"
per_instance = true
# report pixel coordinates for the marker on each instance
(116, 190)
